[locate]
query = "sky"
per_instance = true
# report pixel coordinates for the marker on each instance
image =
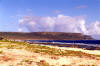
(50, 15)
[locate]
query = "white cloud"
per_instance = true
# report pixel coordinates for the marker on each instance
(59, 23)
(19, 30)
(94, 28)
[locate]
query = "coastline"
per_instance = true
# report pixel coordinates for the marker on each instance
(71, 45)
(22, 53)
(95, 52)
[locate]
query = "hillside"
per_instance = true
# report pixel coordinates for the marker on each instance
(44, 36)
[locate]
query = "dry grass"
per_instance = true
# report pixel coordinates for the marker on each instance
(22, 54)
(43, 49)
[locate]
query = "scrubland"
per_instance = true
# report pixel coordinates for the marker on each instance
(23, 54)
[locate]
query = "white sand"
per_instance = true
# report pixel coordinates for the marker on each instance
(15, 56)
(95, 52)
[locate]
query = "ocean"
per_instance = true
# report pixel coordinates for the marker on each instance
(88, 42)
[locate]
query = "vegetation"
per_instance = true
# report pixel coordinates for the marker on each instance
(45, 50)
(42, 49)
(1, 51)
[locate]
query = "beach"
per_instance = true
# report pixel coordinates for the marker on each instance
(24, 54)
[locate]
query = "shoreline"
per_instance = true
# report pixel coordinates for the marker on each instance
(95, 52)
(23, 53)
(74, 45)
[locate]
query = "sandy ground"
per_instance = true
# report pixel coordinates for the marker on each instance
(95, 52)
(21, 57)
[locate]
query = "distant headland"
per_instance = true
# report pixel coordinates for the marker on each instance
(44, 36)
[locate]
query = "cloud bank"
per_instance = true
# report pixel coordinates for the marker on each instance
(59, 23)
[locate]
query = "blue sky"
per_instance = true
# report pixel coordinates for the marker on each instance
(12, 10)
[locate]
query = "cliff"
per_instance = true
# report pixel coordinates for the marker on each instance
(44, 36)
